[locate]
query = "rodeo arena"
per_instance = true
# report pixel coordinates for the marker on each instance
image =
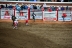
(29, 24)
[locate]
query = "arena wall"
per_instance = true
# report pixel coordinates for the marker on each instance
(40, 3)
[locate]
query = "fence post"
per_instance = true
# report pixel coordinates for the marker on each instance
(28, 13)
(14, 10)
(71, 13)
(0, 12)
(42, 13)
(57, 14)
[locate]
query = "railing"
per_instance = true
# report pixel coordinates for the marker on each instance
(31, 2)
(45, 15)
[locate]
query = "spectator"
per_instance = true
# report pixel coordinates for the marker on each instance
(53, 8)
(34, 7)
(49, 9)
(67, 8)
(18, 7)
(45, 6)
(26, 7)
(31, 6)
(38, 7)
(22, 6)
(2, 6)
(59, 8)
(10, 6)
(62, 8)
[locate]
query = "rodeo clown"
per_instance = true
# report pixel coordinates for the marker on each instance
(15, 24)
(26, 20)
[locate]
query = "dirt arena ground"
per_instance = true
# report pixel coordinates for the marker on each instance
(37, 35)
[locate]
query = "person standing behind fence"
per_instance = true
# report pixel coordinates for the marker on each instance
(71, 15)
(18, 7)
(33, 15)
(13, 19)
(63, 16)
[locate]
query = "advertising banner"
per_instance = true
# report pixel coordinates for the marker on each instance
(6, 13)
(49, 16)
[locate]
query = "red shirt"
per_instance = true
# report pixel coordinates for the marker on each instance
(49, 9)
(64, 14)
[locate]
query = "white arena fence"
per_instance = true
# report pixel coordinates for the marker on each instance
(6, 13)
(22, 15)
(42, 15)
(67, 18)
(49, 16)
(39, 14)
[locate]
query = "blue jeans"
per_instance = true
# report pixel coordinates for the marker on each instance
(63, 18)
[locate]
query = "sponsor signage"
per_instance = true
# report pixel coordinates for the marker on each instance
(6, 13)
(49, 16)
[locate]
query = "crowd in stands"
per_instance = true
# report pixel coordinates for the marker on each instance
(33, 6)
